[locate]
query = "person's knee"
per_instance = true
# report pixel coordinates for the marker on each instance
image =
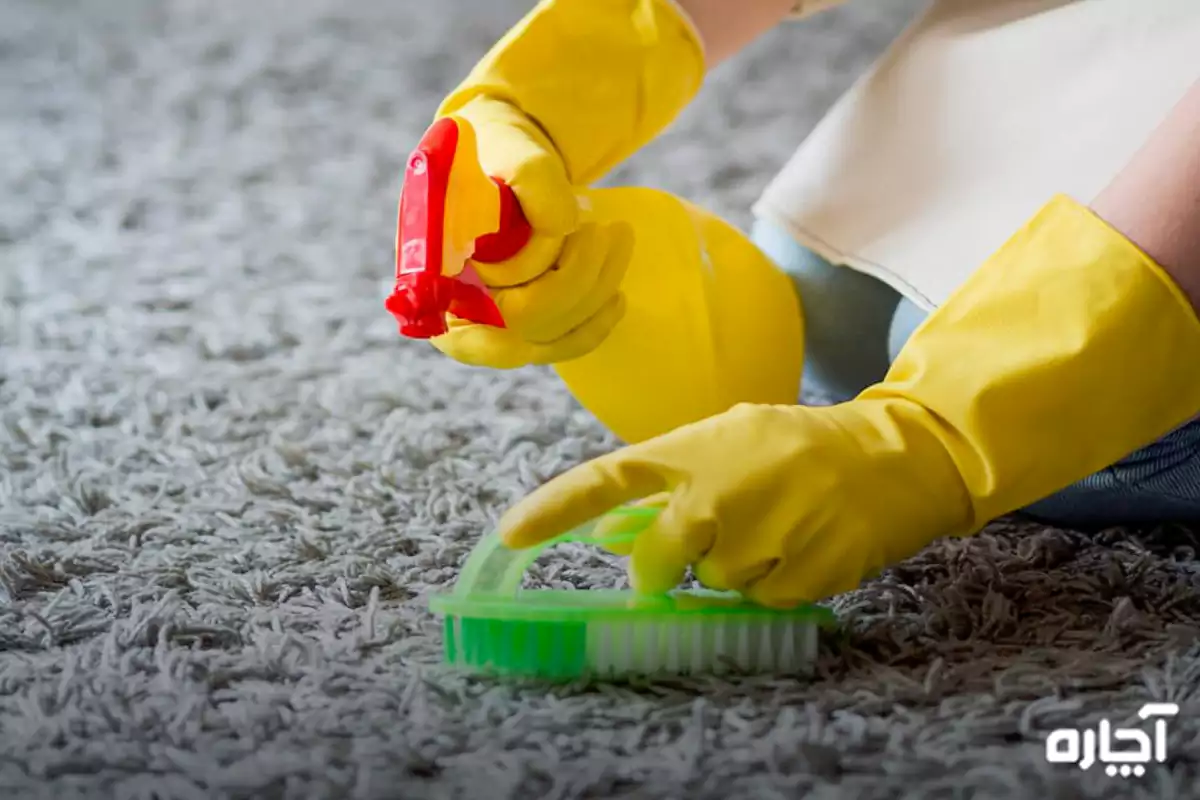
(907, 318)
(846, 316)
(1159, 483)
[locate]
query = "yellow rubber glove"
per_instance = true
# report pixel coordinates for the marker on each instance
(1066, 351)
(572, 90)
(564, 312)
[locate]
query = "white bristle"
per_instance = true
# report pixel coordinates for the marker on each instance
(623, 649)
(766, 652)
(787, 650)
(742, 659)
(650, 656)
(673, 645)
(604, 649)
(702, 647)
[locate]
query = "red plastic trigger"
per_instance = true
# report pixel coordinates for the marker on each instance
(422, 295)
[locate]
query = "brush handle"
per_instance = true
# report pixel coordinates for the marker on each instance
(495, 569)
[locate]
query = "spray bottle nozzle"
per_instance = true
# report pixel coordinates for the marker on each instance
(450, 211)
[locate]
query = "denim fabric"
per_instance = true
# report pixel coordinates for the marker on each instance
(846, 317)
(854, 327)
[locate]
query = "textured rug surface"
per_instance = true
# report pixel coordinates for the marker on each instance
(227, 487)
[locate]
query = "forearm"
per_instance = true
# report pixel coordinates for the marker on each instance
(1155, 200)
(726, 27)
(597, 78)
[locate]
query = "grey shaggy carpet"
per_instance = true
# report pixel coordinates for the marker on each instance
(227, 486)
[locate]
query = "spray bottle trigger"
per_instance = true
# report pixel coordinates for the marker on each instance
(513, 232)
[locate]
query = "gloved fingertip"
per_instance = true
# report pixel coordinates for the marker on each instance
(773, 601)
(530, 521)
(483, 346)
(546, 198)
(616, 524)
(656, 579)
(622, 549)
(582, 243)
(584, 339)
(517, 534)
(786, 588)
(651, 571)
(614, 310)
(621, 238)
(539, 254)
(554, 508)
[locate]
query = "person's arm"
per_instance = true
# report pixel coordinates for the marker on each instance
(1073, 345)
(726, 27)
(1155, 200)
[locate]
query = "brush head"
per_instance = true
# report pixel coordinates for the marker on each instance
(493, 625)
(565, 635)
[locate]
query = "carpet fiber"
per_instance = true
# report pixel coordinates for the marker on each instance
(227, 487)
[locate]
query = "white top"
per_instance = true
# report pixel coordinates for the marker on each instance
(975, 117)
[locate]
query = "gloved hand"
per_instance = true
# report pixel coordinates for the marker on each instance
(563, 314)
(1067, 350)
(560, 296)
(573, 89)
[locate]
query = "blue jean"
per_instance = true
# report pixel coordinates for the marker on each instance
(854, 327)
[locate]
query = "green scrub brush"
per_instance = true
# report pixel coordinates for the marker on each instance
(493, 625)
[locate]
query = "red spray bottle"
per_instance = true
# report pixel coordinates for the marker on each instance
(709, 320)
(435, 238)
